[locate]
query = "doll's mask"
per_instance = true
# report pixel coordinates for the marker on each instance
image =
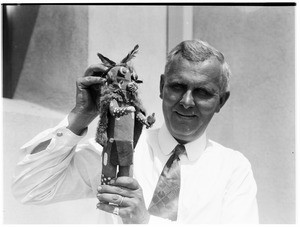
(122, 74)
(123, 77)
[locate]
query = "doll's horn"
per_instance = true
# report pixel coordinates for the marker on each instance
(106, 61)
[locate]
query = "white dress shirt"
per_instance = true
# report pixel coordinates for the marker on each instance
(217, 184)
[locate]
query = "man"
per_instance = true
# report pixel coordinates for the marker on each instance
(216, 184)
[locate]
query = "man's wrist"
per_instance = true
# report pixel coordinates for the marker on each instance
(79, 121)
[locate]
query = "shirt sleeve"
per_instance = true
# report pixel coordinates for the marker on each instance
(59, 171)
(240, 204)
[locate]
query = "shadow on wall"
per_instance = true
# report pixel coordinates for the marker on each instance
(16, 37)
(48, 50)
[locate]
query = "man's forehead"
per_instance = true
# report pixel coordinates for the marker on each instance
(210, 67)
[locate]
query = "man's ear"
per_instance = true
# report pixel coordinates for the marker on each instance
(223, 99)
(161, 85)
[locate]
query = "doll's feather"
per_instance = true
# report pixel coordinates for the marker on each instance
(131, 54)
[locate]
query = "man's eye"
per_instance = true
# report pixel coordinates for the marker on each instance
(177, 86)
(203, 93)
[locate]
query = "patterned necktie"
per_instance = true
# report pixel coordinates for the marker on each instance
(165, 198)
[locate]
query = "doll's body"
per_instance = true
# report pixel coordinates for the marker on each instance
(121, 119)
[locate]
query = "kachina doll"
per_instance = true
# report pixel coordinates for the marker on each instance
(121, 117)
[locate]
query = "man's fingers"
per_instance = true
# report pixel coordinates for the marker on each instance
(95, 70)
(115, 190)
(119, 200)
(130, 209)
(121, 211)
(126, 182)
(84, 82)
(106, 207)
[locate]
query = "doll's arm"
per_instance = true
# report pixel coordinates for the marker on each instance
(117, 111)
(148, 121)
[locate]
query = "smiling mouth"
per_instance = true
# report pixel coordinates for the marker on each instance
(187, 116)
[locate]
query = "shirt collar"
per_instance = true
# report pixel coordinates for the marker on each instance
(193, 149)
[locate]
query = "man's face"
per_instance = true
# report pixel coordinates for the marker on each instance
(191, 95)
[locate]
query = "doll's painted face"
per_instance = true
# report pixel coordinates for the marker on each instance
(123, 77)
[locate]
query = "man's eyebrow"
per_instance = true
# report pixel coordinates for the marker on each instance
(177, 81)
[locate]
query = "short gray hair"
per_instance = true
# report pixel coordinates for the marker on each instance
(199, 51)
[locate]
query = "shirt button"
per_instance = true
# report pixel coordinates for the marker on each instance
(59, 134)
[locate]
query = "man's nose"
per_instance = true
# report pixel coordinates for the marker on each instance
(187, 100)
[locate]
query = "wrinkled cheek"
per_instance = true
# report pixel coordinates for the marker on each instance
(167, 106)
(169, 102)
(171, 98)
(207, 107)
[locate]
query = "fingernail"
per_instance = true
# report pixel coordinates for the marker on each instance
(99, 188)
(112, 181)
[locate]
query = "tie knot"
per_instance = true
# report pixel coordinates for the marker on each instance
(178, 150)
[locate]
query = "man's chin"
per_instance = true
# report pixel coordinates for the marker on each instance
(184, 135)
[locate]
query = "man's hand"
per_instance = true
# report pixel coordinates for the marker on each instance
(85, 109)
(128, 195)
(150, 120)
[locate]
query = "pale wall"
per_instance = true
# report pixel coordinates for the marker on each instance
(56, 56)
(114, 31)
(259, 118)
